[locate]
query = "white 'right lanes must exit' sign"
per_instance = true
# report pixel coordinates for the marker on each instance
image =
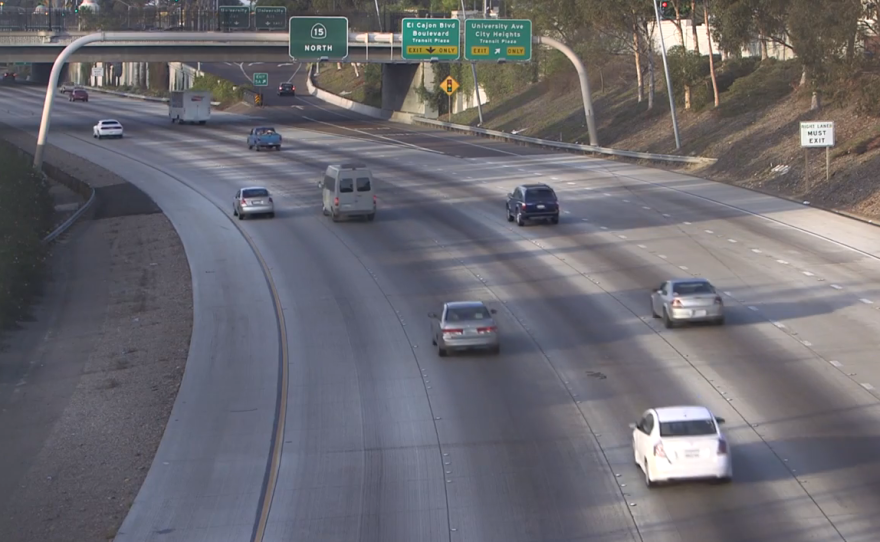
(817, 134)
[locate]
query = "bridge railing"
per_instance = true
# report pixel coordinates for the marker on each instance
(183, 18)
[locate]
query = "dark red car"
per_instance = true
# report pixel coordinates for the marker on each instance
(78, 95)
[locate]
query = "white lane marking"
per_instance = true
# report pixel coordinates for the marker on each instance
(622, 236)
(520, 169)
(661, 256)
(753, 308)
(566, 212)
(646, 208)
(626, 201)
(783, 262)
(641, 246)
(867, 386)
(585, 219)
(687, 223)
(836, 287)
(603, 227)
(666, 215)
(587, 188)
(731, 240)
(298, 66)
(605, 194)
(756, 250)
(807, 343)
(683, 267)
(708, 231)
(866, 301)
(568, 183)
(780, 325)
(728, 294)
(807, 273)
(393, 141)
(835, 363)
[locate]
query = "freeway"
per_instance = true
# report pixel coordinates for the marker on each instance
(385, 441)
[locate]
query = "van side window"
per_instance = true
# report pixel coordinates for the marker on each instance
(330, 183)
(346, 186)
(363, 184)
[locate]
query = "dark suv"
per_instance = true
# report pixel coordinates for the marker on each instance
(531, 202)
(286, 89)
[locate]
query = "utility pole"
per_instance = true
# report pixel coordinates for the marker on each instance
(474, 73)
(668, 79)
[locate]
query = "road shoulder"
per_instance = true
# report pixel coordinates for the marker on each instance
(87, 387)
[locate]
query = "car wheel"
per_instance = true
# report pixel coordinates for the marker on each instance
(234, 211)
(725, 480)
(240, 215)
(94, 135)
(719, 322)
(271, 215)
(442, 352)
(277, 147)
(86, 100)
(334, 216)
(653, 312)
(434, 340)
(555, 220)
(324, 211)
(667, 321)
(509, 216)
(635, 454)
(496, 350)
(250, 147)
(371, 217)
(519, 219)
(648, 481)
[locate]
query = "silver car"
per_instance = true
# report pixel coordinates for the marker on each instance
(687, 300)
(253, 200)
(464, 325)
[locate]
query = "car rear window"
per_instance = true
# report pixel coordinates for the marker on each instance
(346, 185)
(255, 193)
(687, 428)
(685, 288)
(363, 184)
(110, 123)
(469, 313)
(265, 131)
(540, 194)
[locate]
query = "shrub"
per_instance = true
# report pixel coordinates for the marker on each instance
(25, 218)
(222, 91)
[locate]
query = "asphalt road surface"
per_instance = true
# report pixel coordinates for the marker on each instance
(383, 441)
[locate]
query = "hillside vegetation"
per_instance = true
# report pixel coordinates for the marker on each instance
(752, 128)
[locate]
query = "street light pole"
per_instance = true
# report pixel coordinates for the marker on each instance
(668, 79)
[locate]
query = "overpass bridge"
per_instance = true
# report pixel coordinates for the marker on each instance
(45, 46)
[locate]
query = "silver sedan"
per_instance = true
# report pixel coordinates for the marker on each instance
(463, 325)
(687, 300)
(253, 200)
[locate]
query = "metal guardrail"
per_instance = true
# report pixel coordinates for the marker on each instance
(567, 146)
(73, 218)
(174, 17)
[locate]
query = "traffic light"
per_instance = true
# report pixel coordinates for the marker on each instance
(667, 11)
(449, 86)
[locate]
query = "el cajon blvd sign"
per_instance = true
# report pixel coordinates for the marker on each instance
(426, 39)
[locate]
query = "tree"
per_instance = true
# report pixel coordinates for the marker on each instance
(711, 54)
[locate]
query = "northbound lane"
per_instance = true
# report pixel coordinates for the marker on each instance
(535, 443)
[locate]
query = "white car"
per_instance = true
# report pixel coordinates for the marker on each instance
(680, 443)
(107, 128)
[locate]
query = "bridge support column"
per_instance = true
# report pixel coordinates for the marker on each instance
(400, 84)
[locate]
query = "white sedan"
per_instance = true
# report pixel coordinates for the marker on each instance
(107, 128)
(680, 443)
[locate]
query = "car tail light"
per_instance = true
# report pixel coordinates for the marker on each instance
(453, 331)
(722, 447)
(374, 200)
(676, 302)
(719, 301)
(659, 451)
(488, 329)
(244, 202)
(524, 205)
(280, 137)
(270, 200)
(336, 202)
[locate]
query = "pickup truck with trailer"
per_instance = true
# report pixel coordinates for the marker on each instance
(190, 106)
(264, 137)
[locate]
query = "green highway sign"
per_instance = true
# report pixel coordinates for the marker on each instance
(270, 17)
(318, 37)
(426, 39)
(261, 79)
(498, 39)
(235, 17)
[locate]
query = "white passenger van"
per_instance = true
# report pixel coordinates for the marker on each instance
(348, 192)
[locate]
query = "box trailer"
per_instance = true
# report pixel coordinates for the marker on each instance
(190, 106)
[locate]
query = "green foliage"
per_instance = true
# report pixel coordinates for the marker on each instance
(687, 68)
(25, 218)
(222, 91)
(772, 81)
(868, 96)
(373, 85)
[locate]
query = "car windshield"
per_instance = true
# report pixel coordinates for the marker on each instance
(687, 428)
(687, 288)
(540, 194)
(467, 313)
(286, 85)
(255, 193)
